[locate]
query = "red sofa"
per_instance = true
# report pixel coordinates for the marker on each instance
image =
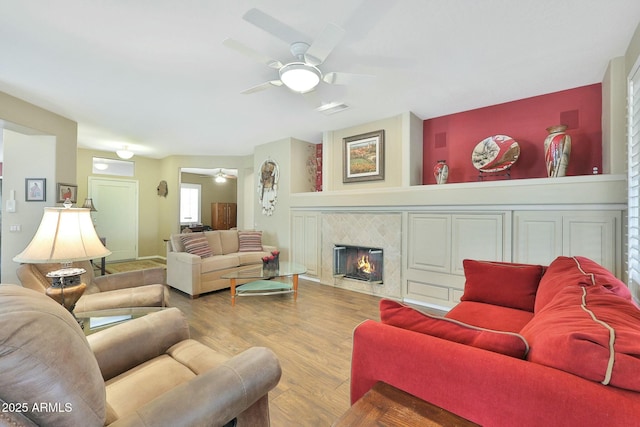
(527, 346)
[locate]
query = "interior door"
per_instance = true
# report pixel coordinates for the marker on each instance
(116, 219)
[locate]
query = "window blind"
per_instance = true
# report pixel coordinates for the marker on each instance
(190, 203)
(633, 185)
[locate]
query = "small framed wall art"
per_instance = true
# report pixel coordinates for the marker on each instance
(67, 191)
(364, 157)
(35, 189)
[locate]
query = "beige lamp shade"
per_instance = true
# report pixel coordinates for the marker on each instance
(64, 235)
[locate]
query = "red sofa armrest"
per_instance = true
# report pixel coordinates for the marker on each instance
(485, 387)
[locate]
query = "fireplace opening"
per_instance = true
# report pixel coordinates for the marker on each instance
(358, 262)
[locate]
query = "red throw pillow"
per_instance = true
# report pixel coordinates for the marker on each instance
(577, 270)
(591, 332)
(405, 317)
(501, 283)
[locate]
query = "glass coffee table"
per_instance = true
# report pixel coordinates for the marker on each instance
(263, 283)
(94, 321)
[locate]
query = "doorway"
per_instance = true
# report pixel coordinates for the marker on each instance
(218, 185)
(116, 218)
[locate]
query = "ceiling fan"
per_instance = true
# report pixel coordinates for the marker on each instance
(223, 174)
(301, 75)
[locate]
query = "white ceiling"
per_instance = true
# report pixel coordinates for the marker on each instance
(153, 74)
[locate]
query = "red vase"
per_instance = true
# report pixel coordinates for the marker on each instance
(441, 172)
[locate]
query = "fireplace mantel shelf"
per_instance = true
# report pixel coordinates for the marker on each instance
(596, 191)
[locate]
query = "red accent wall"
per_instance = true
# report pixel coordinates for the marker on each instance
(453, 137)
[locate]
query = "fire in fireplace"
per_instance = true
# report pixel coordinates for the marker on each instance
(358, 262)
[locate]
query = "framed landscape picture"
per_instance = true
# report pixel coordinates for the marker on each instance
(364, 157)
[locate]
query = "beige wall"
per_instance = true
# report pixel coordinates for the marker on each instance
(27, 119)
(275, 228)
(412, 149)
(43, 122)
(614, 107)
(303, 178)
(333, 155)
(17, 147)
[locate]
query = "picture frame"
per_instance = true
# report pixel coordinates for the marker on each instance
(67, 191)
(35, 189)
(364, 157)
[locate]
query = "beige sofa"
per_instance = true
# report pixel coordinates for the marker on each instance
(230, 250)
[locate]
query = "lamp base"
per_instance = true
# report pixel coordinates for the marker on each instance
(67, 287)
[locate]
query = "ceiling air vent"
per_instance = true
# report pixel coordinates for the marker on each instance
(332, 108)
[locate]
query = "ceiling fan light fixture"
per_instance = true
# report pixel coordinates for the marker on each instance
(300, 77)
(220, 178)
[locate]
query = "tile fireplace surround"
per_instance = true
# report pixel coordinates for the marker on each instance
(380, 230)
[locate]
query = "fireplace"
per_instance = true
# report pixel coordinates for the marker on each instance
(358, 262)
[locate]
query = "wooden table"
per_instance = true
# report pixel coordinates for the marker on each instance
(385, 405)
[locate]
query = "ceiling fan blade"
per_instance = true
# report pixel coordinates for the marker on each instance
(251, 53)
(262, 86)
(274, 27)
(324, 44)
(335, 78)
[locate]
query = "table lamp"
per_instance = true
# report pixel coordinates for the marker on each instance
(88, 204)
(65, 235)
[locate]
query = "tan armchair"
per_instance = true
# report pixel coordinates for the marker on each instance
(144, 372)
(142, 288)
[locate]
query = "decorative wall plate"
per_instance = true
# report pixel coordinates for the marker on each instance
(495, 153)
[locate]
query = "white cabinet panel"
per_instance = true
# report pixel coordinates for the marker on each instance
(438, 242)
(541, 236)
(297, 236)
(311, 246)
(429, 242)
(305, 241)
(475, 237)
(439, 294)
(592, 236)
(538, 237)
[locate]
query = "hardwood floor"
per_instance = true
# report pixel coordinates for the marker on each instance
(312, 338)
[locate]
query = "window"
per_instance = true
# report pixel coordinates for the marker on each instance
(190, 203)
(633, 183)
(104, 166)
